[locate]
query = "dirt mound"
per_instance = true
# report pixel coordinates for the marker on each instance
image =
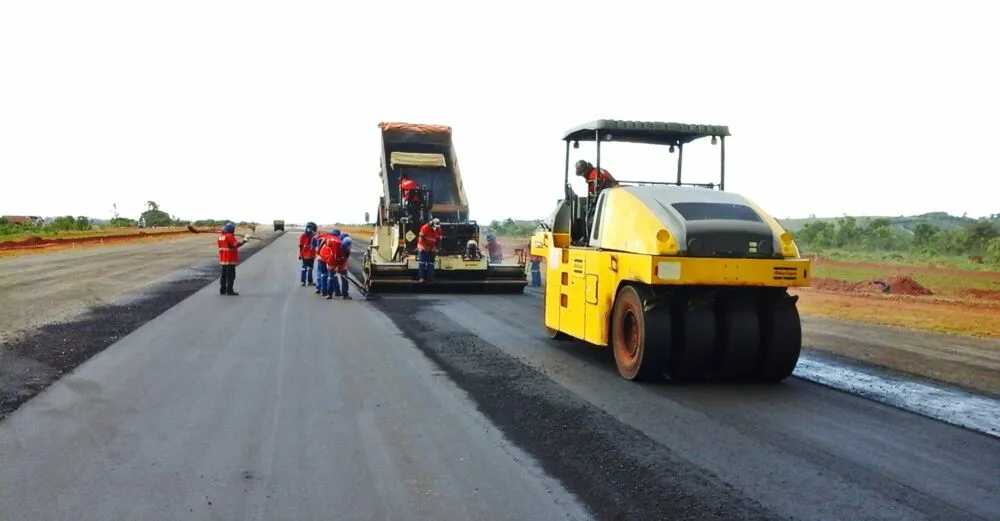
(893, 285)
(906, 285)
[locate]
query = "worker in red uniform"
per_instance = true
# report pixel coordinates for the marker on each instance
(406, 184)
(595, 182)
(327, 255)
(412, 202)
(494, 248)
(307, 254)
(229, 257)
(341, 258)
(427, 246)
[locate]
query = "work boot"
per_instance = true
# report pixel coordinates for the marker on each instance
(347, 297)
(329, 297)
(233, 293)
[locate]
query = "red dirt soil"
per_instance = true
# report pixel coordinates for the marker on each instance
(893, 285)
(984, 294)
(821, 260)
(34, 242)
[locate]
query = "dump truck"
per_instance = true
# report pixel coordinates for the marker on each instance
(682, 280)
(425, 153)
(279, 225)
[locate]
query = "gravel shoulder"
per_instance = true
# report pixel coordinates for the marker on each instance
(62, 308)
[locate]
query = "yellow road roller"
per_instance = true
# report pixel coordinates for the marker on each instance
(682, 280)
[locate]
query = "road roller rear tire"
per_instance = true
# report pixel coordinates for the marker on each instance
(739, 341)
(781, 340)
(694, 347)
(639, 343)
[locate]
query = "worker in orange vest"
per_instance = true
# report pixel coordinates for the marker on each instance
(307, 254)
(341, 257)
(595, 182)
(326, 251)
(229, 257)
(427, 246)
(410, 202)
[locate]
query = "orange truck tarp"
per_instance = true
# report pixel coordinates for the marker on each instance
(420, 128)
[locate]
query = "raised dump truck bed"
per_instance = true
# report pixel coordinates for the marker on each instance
(426, 154)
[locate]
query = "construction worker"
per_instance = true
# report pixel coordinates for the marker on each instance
(410, 201)
(307, 254)
(229, 257)
(326, 253)
(535, 267)
(494, 248)
(471, 250)
(427, 246)
(595, 182)
(342, 257)
(323, 274)
(406, 184)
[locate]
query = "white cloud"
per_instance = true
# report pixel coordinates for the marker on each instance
(253, 111)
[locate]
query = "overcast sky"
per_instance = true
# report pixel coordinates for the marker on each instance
(249, 111)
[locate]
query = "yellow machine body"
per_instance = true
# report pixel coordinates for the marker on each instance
(581, 282)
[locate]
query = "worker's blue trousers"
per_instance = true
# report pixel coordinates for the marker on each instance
(322, 277)
(306, 273)
(425, 265)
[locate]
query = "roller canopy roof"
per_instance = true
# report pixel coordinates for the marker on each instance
(648, 132)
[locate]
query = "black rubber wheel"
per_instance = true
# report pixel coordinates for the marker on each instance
(781, 341)
(366, 270)
(693, 350)
(638, 353)
(739, 341)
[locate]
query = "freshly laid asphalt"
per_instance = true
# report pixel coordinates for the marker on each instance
(276, 404)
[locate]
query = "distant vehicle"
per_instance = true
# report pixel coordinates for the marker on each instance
(279, 225)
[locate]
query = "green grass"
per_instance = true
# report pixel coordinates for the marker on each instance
(916, 260)
(96, 232)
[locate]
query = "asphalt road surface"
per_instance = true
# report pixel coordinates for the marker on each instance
(279, 405)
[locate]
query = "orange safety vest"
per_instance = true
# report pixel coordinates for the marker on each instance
(305, 247)
(228, 249)
(325, 253)
(428, 238)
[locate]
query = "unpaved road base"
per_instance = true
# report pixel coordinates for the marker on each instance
(61, 309)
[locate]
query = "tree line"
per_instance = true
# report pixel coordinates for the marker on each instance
(152, 217)
(973, 238)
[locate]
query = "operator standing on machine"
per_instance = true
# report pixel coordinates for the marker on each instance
(229, 257)
(595, 182)
(427, 246)
(411, 201)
